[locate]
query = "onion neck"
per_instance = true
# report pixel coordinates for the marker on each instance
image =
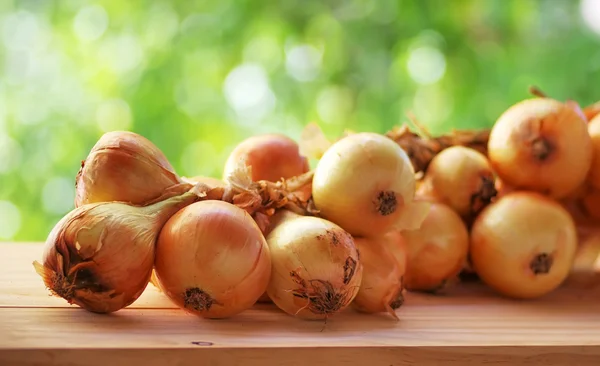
(163, 210)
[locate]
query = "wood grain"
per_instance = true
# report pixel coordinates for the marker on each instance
(470, 325)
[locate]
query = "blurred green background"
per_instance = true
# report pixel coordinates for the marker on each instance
(197, 77)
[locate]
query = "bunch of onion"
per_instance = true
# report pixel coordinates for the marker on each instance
(541, 145)
(212, 259)
(126, 167)
(437, 251)
(523, 245)
(271, 157)
(100, 255)
(365, 183)
(384, 265)
(316, 271)
(462, 178)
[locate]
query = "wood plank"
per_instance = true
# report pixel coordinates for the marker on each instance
(427, 334)
(469, 326)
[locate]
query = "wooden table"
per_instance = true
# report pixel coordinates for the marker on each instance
(470, 326)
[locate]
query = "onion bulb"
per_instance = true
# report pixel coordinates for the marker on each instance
(126, 167)
(591, 203)
(365, 183)
(541, 145)
(316, 271)
(592, 110)
(100, 255)
(212, 260)
(270, 156)
(586, 266)
(437, 251)
(384, 265)
(594, 132)
(462, 178)
(523, 245)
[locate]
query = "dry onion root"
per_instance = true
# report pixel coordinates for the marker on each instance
(212, 260)
(523, 245)
(437, 251)
(316, 271)
(100, 255)
(461, 178)
(126, 167)
(422, 149)
(384, 265)
(365, 183)
(541, 145)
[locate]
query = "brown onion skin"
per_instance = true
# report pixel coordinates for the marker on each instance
(541, 145)
(523, 245)
(100, 256)
(384, 260)
(463, 179)
(213, 248)
(271, 156)
(437, 251)
(127, 167)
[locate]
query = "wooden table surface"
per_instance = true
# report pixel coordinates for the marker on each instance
(469, 326)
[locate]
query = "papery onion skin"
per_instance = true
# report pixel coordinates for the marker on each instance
(463, 179)
(100, 256)
(126, 167)
(384, 265)
(523, 245)
(210, 182)
(437, 251)
(270, 156)
(364, 183)
(316, 271)
(212, 260)
(541, 145)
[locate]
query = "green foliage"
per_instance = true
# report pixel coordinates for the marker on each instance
(197, 77)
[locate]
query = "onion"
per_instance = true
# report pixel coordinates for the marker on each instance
(384, 264)
(462, 178)
(592, 111)
(523, 245)
(365, 183)
(437, 251)
(316, 271)
(541, 145)
(270, 156)
(594, 132)
(591, 203)
(126, 167)
(212, 260)
(100, 255)
(586, 266)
